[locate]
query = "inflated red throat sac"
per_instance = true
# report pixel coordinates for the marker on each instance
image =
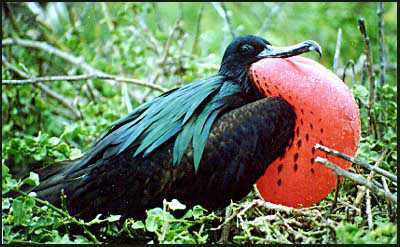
(326, 114)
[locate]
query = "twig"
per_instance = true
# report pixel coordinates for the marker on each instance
(349, 63)
(117, 49)
(84, 77)
(241, 212)
(54, 51)
(109, 22)
(272, 12)
(386, 188)
(362, 189)
(169, 40)
(356, 178)
(334, 203)
(76, 61)
(356, 161)
(371, 76)
(148, 33)
(368, 210)
(12, 18)
(381, 43)
(157, 16)
(337, 50)
(222, 11)
(226, 228)
(60, 99)
(228, 20)
(198, 28)
(44, 89)
(65, 214)
(266, 205)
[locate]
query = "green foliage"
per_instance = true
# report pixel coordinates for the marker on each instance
(384, 233)
(134, 40)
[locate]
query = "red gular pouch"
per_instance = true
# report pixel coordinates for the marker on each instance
(326, 114)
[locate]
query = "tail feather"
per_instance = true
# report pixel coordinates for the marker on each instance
(53, 180)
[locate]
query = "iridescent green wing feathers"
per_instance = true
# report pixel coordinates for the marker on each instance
(187, 113)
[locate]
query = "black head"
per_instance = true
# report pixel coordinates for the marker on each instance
(245, 50)
(242, 52)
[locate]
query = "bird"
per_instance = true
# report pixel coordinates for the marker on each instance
(205, 143)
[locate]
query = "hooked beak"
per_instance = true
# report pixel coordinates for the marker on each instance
(289, 51)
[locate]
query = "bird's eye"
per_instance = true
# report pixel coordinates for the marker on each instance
(246, 49)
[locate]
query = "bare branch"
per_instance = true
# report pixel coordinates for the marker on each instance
(386, 188)
(358, 162)
(95, 73)
(67, 103)
(157, 16)
(381, 43)
(357, 178)
(54, 51)
(223, 12)
(198, 28)
(371, 76)
(83, 77)
(368, 210)
(349, 63)
(272, 12)
(337, 50)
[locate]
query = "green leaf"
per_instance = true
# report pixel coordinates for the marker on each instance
(113, 218)
(176, 205)
(22, 209)
(151, 223)
(54, 141)
(32, 180)
(137, 225)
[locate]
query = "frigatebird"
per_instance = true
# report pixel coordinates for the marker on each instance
(205, 143)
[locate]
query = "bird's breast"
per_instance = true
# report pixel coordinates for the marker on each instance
(326, 114)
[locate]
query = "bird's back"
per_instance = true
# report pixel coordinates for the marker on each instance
(240, 145)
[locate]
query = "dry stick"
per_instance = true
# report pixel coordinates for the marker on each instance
(356, 178)
(362, 189)
(97, 74)
(382, 59)
(157, 16)
(228, 20)
(272, 12)
(124, 88)
(44, 89)
(226, 228)
(44, 26)
(12, 18)
(349, 63)
(266, 205)
(198, 28)
(165, 51)
(356, 161)
(333, 206)
(375, 68)
(386, 188)
(149, 34)
(381, 43)
(371, 77)
(337, 50)
(83, 77)
(368, 210)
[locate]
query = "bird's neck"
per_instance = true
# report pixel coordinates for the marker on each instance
(242, 78)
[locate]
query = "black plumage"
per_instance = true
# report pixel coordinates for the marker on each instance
(146, 156)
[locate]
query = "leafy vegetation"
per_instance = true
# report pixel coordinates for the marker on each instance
(170, 44)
